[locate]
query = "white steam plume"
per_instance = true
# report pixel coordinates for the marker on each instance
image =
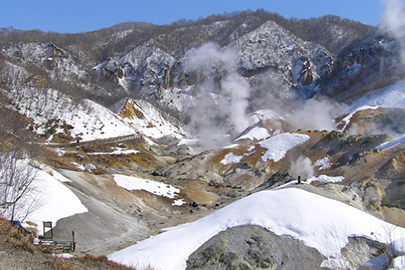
(393, 22)
(302, 167)
(316, 114)
(238, 88)
(210, 55)
(210, 58)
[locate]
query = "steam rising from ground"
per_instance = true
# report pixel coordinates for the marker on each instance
(316, 114)
(211, 117)
(302, 167)
(394, 24)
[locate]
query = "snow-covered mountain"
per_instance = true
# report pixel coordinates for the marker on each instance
(205, 128)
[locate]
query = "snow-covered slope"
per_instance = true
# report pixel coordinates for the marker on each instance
(395, 142)
(53, 112)
(55, 200)
(147, 120)
(392, 96)
(271, 45)
(57, 61)
(50, 109)
(322, 223)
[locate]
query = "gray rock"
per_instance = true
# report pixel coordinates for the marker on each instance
(361, 249)
(253, 247)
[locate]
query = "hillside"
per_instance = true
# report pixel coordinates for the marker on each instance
(138, 136)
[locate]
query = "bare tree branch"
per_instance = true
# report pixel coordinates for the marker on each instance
(17, 196)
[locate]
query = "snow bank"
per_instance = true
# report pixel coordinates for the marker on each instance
(55, 174)
(264, 114)
(256, 133)
(325, 179)
(279, 145)
(56, 200)
(157, 188)
(289, 211)
(397, 263)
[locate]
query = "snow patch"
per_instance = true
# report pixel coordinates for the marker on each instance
(117, 151)
(323, 163)
(256, 133)
(186, 141)
(278, 146)
(231, 158)
(325, 179)
(178, 202)
(135, 183)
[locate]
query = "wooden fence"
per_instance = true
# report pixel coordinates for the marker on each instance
(55, 246)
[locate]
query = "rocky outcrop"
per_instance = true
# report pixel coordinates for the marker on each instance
(253, 247)
(370, 65)
(151, 67)
(360, 250)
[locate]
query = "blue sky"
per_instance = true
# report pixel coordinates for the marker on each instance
(73, 16)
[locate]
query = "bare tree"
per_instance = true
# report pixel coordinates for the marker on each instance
(18, 197)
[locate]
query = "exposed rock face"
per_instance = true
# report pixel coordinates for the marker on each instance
(370, 194)
(130, 111)
(395, 195)
(252, 247)
(393, 169)
(359, 69)
(360, 250)
(377, 120)
(306, 75)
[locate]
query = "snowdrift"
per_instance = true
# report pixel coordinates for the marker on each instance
(321, 223)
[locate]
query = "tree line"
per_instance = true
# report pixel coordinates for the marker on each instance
(314, 29)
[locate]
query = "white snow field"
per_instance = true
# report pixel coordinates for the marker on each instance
(135, 183)
(278, 146)
(392, 96)
(321, 223)
(56, 200)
